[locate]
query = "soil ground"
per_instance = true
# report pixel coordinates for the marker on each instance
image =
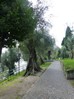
(19, 88)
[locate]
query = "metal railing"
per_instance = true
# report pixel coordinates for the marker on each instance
(5, 74)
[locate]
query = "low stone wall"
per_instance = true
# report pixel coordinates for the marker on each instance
(70, 74)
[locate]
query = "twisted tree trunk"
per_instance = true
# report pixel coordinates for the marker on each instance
(72, 54)
(33, 65)
(41, 60)
(0, 55)
(11, 72)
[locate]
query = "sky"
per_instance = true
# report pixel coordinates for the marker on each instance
(61, 15)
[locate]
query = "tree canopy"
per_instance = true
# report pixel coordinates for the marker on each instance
(20, 21)
(16, 21)
(68, 44)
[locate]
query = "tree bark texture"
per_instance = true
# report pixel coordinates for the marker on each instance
(0, 56)
(11, 72)
(33, 65)
(41, 60)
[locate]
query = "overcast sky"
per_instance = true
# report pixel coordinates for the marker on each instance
(61, 13)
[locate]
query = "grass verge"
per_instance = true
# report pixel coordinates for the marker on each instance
(11, 80)
(45, 65)
(69, 65)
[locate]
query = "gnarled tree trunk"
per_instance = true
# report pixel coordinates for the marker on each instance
(0, 55)
(41, 60)
(11, 72)
(33, 65)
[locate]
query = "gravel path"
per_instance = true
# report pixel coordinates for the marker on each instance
(51, 85)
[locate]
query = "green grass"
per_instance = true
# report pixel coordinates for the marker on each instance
(45, 65)
(11, 80)
(68, 64)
